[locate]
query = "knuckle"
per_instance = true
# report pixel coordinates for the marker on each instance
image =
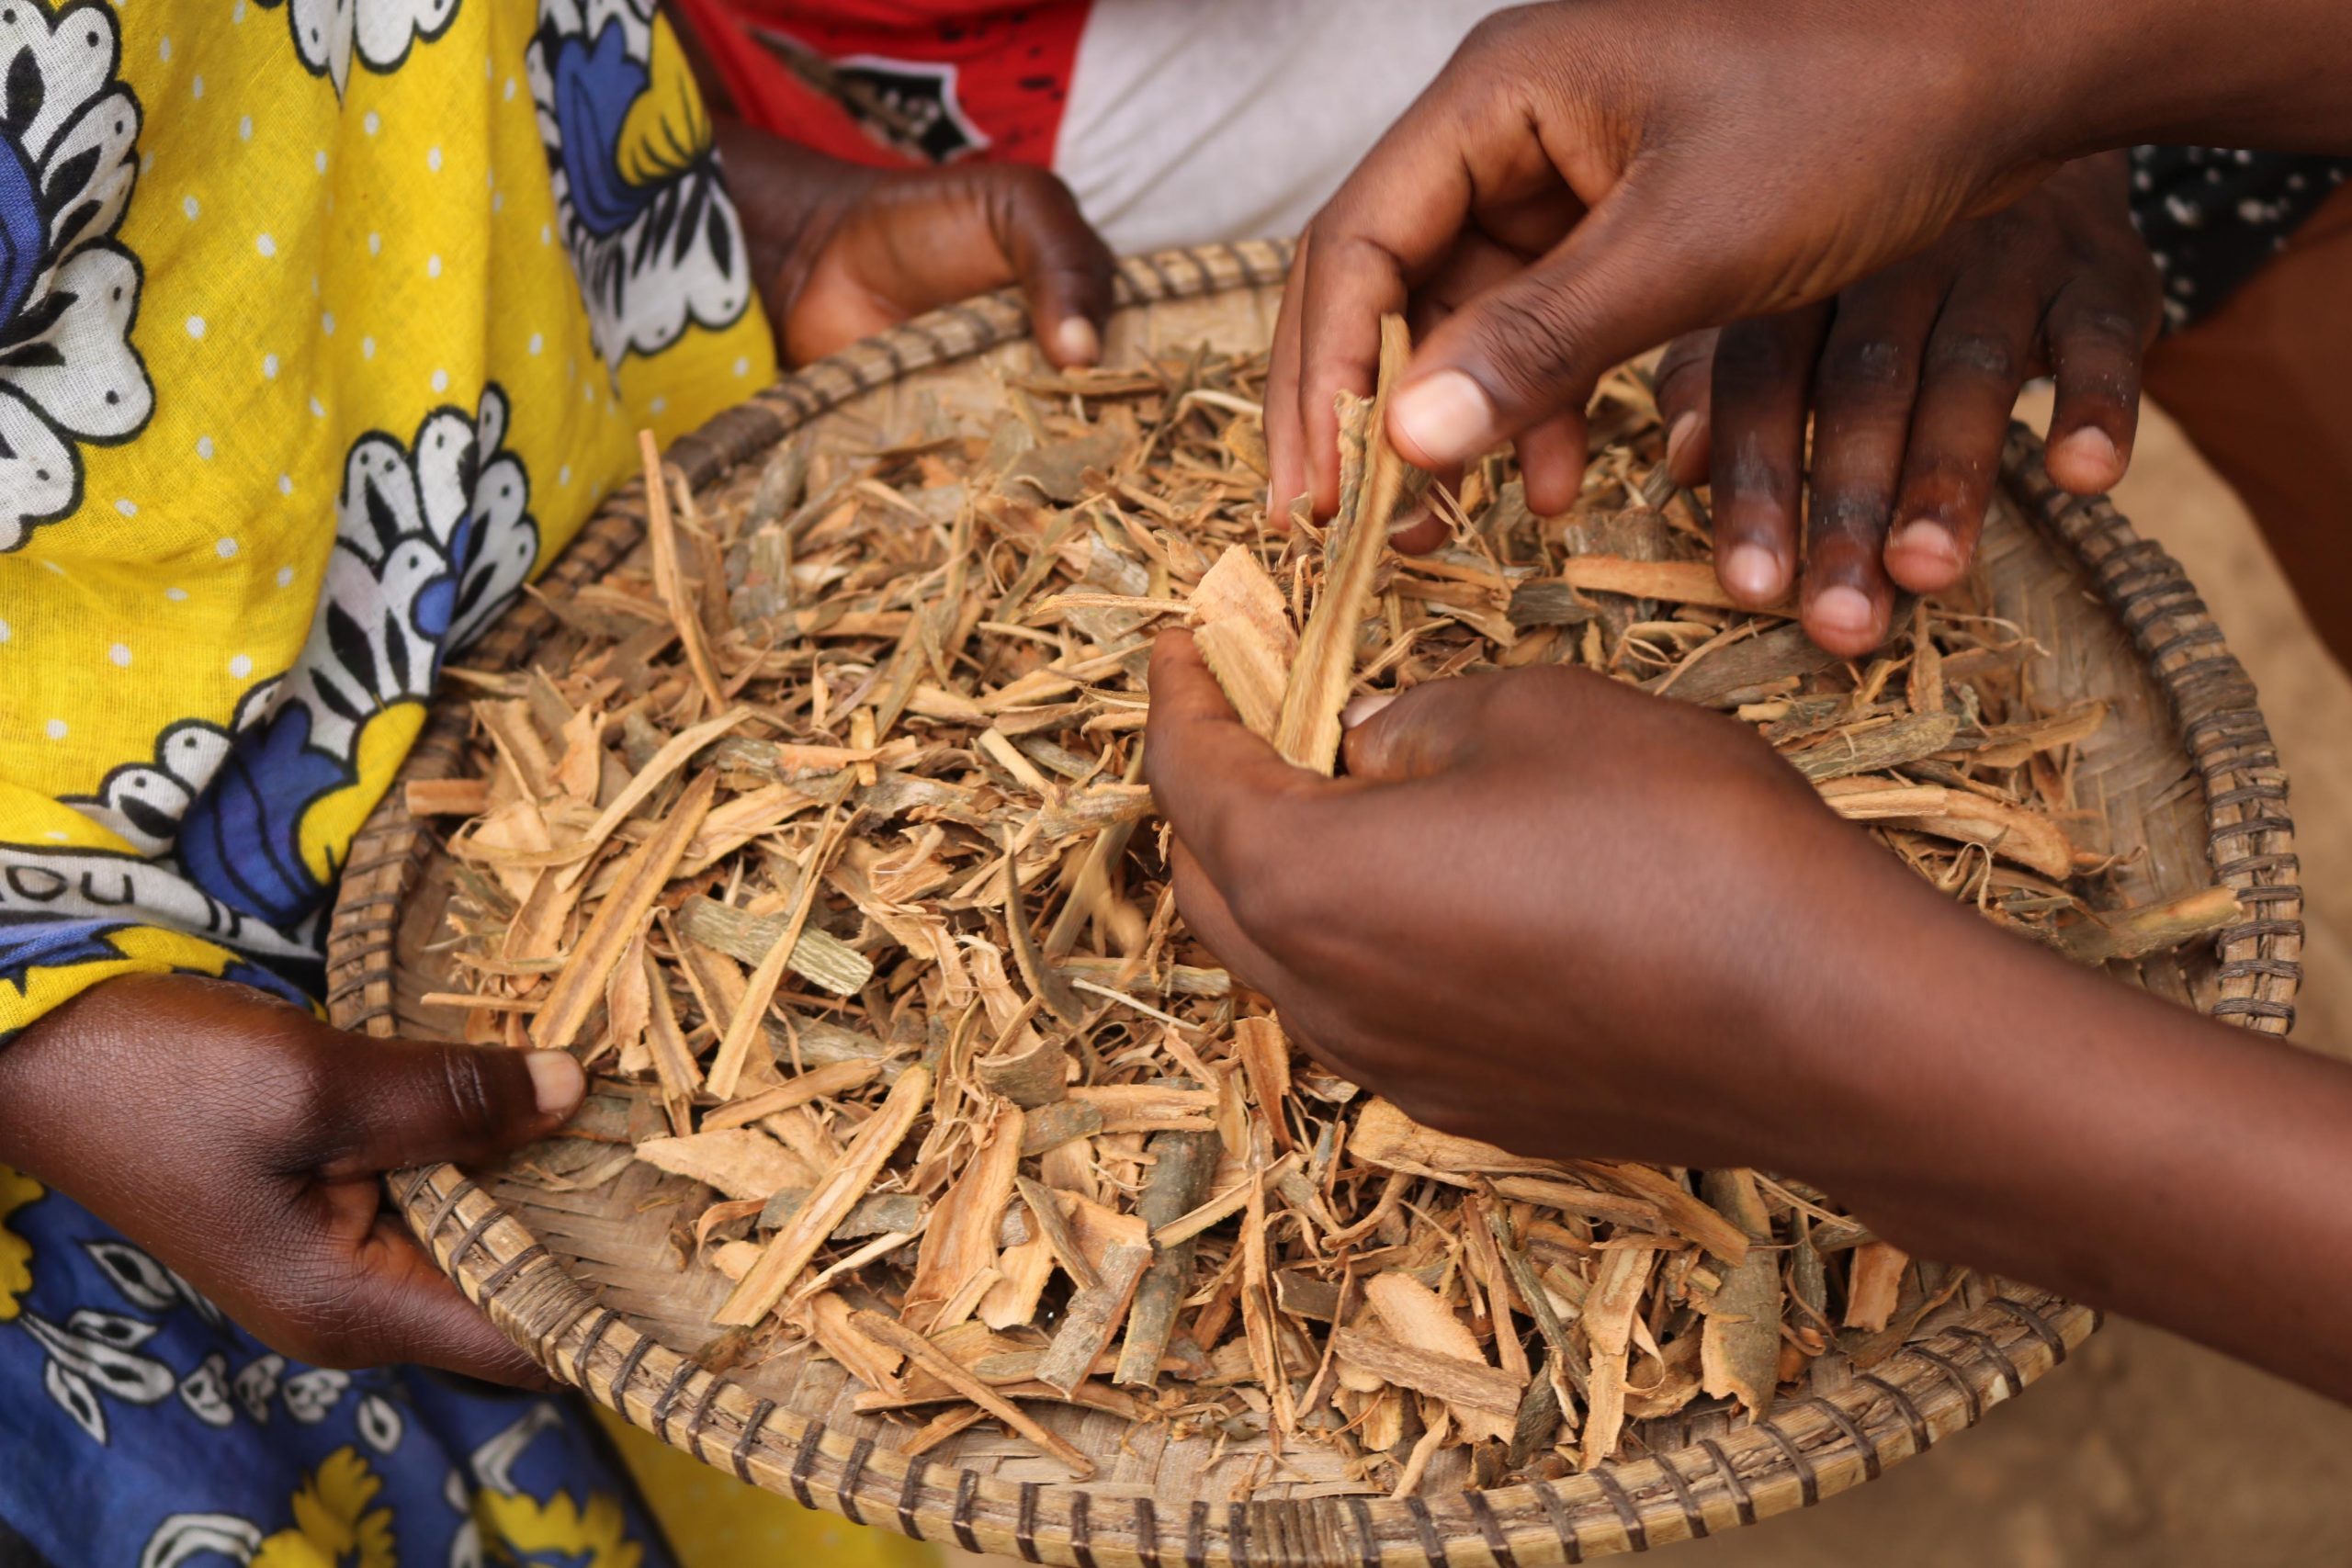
(1975, 353)
(1534, 337)
(1869, 368)
(1846, 515)
(1754, 354)
(2110, 327)
(1498, 33)
(1947, 480)
(287, 1095)
(1683, 369)
(1750, 471)
(2015, 237)
(472, 1105)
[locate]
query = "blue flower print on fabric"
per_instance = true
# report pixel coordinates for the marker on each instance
(654, 239)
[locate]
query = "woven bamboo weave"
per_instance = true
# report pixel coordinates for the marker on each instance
(2186, 775)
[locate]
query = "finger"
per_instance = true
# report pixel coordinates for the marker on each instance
(1762, 377)
(1863, 391)
(1976, 360)
(1285, 437)
(1217, 782)
(387, 1104)
(1396, 218)
(1685, 374)
(1344, 290)
(1551, 462)
(1064, 268)
(1429, 730)
(1552, 453)
(2096, 337)
(402, 1308)
(1627, 277)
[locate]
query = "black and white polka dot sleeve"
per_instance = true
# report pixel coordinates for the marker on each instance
(2213, 215)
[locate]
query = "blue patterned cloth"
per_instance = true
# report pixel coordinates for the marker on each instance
(140, 1426)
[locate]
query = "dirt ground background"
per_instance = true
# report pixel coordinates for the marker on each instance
(2144, 1451)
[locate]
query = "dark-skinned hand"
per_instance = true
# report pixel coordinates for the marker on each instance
(842, 251)
(243, 1143)
(1584, 180)
(1909, 377)
(1451, 888)
(1548, 910)
(1587, 179)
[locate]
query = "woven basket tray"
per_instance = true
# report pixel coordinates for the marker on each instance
(2186, 775)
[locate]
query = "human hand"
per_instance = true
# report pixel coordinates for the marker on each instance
(1547, 910)
(243, 1143)
(1586, 180)
(843, 251)
(1910, 375)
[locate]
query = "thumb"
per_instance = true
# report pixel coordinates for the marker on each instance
(1062, 265)
(1537, 344)
(1424, 731)
(392, 1103)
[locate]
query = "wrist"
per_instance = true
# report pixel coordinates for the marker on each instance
(1898, 1067)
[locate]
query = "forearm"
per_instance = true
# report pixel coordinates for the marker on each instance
(2268, 73)
(2043, 1123)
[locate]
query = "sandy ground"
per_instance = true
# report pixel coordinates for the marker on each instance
(2144, 1451)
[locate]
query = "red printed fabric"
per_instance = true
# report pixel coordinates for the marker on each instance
(898, 82)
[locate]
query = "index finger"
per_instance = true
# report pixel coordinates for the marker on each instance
(1393, 219)
(1213, 780)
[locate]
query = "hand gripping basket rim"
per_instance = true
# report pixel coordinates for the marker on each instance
(1810, 1449)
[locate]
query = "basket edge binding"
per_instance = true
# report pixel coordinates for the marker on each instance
(1808, 1450)
(2250, 837)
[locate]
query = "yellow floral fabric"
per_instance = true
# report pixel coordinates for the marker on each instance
(323, 328)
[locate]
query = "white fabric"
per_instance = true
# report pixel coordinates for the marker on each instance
(1194, 120)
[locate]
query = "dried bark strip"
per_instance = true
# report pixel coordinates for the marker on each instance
(922, 1353)
(790, 1249)
(580, 984)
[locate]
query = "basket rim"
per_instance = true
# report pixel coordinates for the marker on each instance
(1810, 1449)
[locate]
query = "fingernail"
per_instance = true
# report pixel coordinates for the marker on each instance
(1931, 541)
(1752, 573)
(1077, 341)
(1364, 706)
(1841, 609)
(557, 1082)
(1448, 416)
(1676, 439)
(2090, 449)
